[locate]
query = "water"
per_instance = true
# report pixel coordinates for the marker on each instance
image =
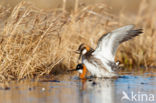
(69, 89)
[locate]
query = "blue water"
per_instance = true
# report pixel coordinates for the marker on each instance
(142, 89)
(69, 89)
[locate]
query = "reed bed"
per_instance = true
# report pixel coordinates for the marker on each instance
(36, 42)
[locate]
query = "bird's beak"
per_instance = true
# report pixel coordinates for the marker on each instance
(78, 61)
(80, 54)
(72, 70)
(77, 52)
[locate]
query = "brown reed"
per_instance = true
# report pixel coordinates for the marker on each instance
(35, 42)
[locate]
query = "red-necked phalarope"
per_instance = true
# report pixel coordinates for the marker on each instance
(81, 68)
(100, 62)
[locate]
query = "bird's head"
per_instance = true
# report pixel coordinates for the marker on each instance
(79, 68)
(82, 70)
(82, 50)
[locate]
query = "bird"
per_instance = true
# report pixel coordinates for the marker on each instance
(81, 68)
(100, 62)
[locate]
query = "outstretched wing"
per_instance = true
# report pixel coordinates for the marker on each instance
(108, 43)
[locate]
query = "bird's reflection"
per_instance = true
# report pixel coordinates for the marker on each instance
(97, 90)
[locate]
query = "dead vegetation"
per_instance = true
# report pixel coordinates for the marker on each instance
(34, 42)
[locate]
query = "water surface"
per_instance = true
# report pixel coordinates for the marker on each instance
(128, 88)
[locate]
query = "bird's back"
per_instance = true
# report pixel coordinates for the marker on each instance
(99, 67)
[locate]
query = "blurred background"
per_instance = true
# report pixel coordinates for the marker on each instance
(130, 6)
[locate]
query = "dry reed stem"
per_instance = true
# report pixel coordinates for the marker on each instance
(76, 5)
(36, 42)
(34, 50)
(64, 6)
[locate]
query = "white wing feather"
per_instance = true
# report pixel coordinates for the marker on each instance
(109, 43)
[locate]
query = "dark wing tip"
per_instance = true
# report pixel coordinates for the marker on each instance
(135, 32)
(138, 31)
(132, 33)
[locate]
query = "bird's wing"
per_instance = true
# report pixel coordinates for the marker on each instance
(108, 43)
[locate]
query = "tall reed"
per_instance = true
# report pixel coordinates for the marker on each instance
(36, 42)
